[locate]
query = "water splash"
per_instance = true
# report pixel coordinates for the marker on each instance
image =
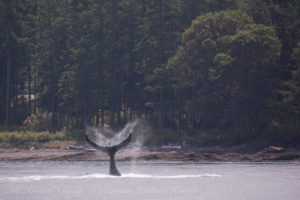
(107, 137)
(133, 175)
(101, 176)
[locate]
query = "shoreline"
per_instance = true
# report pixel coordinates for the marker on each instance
(233, 154)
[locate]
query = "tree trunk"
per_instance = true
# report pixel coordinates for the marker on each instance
(68, 118)
(97, 119)
(143, 8)
(119, 117)
(131, 113)
(113, 62)
(8, 72)
(193, 123)
(59, 123)
(161, 111)
(53, 115)
(112, 118)
(29, 87)
(102, 118)
(178, 125)
(34, 89)
(124, 113)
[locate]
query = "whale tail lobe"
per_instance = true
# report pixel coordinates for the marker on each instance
(110, 151)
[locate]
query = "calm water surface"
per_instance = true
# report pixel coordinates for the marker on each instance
(150, 180)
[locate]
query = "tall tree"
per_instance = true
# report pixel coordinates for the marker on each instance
(224, 59)
(8, 32)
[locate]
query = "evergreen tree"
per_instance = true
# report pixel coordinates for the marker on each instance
(223, 61)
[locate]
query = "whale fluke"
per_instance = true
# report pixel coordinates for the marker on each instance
(110, 151)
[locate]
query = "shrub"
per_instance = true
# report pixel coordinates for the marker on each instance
(73, 134)
(30, 138)
(38, 121)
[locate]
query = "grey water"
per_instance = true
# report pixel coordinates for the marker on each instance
(150, 180)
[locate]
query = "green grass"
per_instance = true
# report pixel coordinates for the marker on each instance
(199, 137)
(19, 138)
(41, 139)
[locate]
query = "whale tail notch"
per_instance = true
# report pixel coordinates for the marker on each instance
(111, 151)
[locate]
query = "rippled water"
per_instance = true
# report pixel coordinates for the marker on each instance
(150, 180)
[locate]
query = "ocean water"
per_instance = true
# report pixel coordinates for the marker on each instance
(150, 180)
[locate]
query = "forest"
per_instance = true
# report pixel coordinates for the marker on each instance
(211, 71)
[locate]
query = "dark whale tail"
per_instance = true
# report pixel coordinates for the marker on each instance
(111, 151)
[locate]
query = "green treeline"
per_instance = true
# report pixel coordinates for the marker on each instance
(222, 69)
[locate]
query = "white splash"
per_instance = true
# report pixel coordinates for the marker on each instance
(108, 137)
(101, 176)
(168, 176)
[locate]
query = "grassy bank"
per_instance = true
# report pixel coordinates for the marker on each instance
(40, 139)
(46, 139)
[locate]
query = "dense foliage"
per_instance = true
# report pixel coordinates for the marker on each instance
(227, 68)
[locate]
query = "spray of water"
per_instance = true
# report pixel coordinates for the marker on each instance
(107, 137)
(101, 176)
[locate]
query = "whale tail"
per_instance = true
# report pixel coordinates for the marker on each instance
(110, 151)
